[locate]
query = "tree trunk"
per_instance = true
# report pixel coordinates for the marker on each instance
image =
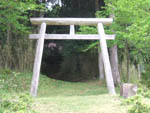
(128, 62)
(41, 14)
(139, 71)
(97, 5)
(8, 34)
(114, 62)
(100, 66)
(114, 65)
(8, 57)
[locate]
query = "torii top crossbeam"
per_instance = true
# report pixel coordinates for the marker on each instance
(71, 21)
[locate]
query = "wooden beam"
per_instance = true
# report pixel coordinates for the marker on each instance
(37, 62)
(72, 30)
(105, 56)
(71, 21)
(71, 37)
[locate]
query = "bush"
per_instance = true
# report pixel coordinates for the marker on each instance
(16, 104)
(12, 82)
(138, 103)
(145, 79)
(8, 80)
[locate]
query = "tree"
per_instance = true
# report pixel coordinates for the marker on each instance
(115, 64)
(14, 29)
(132, 27)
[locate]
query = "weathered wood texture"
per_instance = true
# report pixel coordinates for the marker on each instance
(72, 30)
(128, 90)
(37, 62)
(71, 21)
(108, 72)
(101, 66)
(71, 37)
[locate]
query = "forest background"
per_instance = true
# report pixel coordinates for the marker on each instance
(76, 60)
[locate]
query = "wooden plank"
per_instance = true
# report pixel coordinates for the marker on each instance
(37, 62)
(71, 37)
(72, 30)
(71, 21)
(108, 72)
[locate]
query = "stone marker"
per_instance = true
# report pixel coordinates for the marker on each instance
(128, 90)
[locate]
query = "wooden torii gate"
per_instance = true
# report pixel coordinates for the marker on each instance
(71, 21)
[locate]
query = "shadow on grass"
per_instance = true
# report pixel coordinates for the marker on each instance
(52, 87)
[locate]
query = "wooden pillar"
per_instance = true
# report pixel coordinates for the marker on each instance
(100, 66)
(108, 72)
(72, 30)
(37, 62)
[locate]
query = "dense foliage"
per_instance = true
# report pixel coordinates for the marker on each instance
(16, 104)
(145, 79)
(15, 47)
(13, 96)
(138, 103)
(132, 27)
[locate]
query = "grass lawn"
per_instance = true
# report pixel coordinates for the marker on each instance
(79, 104)
(55, 96)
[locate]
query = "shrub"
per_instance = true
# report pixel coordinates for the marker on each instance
(8, 80)
(12, 82)
(138, 103)
(16, 104)
(145, 79)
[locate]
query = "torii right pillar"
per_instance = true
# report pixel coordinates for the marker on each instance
(108, 72)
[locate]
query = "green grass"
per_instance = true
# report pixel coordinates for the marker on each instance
(79, 104)
(53, 87)
(55, 96)
(81, 97)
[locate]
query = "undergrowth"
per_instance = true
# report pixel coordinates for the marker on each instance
(21, 103)
(13, 96)
(14, 99)
(140, 102)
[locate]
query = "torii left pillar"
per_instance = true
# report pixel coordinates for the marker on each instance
(38, 59)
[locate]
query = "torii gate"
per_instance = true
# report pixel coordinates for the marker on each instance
(71, 21)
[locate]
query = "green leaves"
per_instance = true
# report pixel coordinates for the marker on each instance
(16, 14)
(87, 30)
(16, 104)
(131, 25)
(140, 102)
